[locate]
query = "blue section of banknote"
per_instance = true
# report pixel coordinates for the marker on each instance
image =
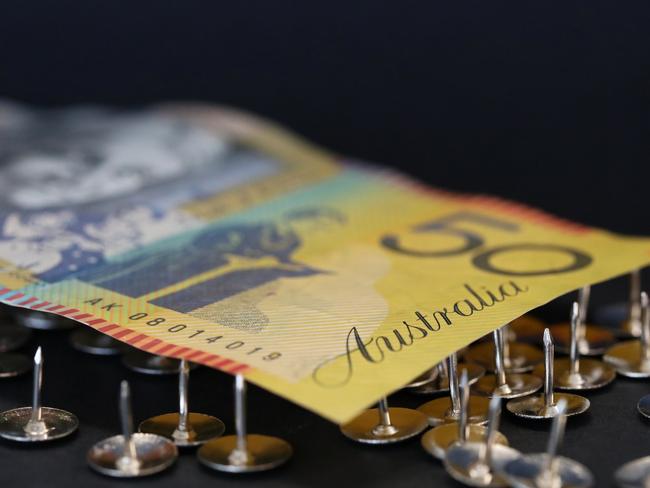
(79, 186)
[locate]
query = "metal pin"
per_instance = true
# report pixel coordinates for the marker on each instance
(548, 469)
(492, 429)
(554, 441)
(544, 406)
(576, 373)
(632, 358)
(549, 356)
(384, 427)
(185, 428)
(183, 393)
(240, 455)
(477, 463)
(88, 340)
(517, 357)
(503, 384)
(37, 423)
(463, 430)
(500, 370)
(632, 325)
(574, 358)
(645, 328)
(129, 460)
(447, 409)
(244, 452)
(454, 389)
(35, 426)
(583, 303)
(153, 364)
(131, 455)
(591, 339)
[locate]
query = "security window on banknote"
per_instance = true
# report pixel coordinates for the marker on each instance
(205, 233)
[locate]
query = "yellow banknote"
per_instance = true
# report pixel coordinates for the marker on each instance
(330, 284)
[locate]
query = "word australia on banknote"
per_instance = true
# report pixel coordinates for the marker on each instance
(205, 233)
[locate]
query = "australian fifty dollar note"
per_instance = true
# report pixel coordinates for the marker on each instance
(205, 233)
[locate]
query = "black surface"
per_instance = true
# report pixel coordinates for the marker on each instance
(610, 434)
(546, 102)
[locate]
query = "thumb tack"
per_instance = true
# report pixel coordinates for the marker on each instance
(447, 409)
(184, 428)
(383, 425)
(518, 357)
(131, 455)
(243, 452)
(37, 423)
(632, 358)
(437, 440)
(575, 373)
(545, 405)
(548, 470)
(479, 463)
(592, 340)
(502, 384)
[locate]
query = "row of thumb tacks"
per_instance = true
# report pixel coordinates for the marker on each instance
(155, 446)
(479, 456)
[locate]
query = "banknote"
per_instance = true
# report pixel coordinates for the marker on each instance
(206, 233)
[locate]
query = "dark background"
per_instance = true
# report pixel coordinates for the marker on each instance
(543, 102)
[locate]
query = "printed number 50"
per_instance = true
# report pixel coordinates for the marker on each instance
(473, 241)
